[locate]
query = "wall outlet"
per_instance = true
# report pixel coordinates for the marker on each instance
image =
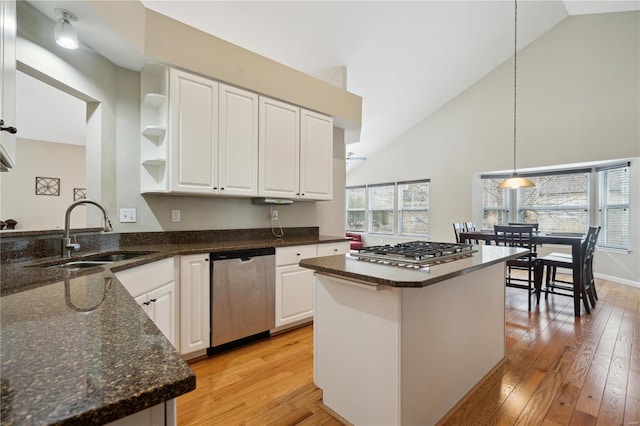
(274, 215)
(127, 215)
(175, 215)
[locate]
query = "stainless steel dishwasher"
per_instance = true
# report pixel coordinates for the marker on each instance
(242, 294)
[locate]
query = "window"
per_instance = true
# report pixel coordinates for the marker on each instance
(614, 207)
(356, 209)
(558, 202)
(397, 208)
(413, 208)
(495, 203)
(565, 200)
(381, 208)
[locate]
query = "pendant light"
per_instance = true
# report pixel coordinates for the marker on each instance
(66, 35)
(515, 181)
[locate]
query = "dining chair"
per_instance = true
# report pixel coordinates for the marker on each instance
(586, 289)
(469, 227)
(518, 236)
(458, 227)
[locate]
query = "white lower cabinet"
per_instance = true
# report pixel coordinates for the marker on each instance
(294, 286)
(158, 415)
(195, 329)
(154, 288)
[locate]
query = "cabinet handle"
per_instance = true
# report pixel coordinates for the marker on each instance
(9, 129)
(221, 189)
(146, 303)
(215, 188)
(152, 300)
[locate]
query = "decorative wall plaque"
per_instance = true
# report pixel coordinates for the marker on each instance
(47, 186)
(79, 193)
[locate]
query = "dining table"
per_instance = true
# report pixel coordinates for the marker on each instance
(569, 239)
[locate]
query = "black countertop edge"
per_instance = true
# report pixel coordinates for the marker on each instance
(120, 409)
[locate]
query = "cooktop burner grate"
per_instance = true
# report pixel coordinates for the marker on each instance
(415, 253)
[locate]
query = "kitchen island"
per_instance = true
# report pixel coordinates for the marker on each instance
(396, 345)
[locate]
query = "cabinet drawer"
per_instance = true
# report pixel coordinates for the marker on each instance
(293, 255)
(145, 278)
(333, 248)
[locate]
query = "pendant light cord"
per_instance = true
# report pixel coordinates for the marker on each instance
(515, 79)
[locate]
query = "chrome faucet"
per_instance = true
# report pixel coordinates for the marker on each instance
(67, 245)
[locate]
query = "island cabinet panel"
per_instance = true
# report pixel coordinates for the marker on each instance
(391, 355)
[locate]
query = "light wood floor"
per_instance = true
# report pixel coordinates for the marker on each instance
(559, 370)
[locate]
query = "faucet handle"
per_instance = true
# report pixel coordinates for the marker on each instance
(69, 245)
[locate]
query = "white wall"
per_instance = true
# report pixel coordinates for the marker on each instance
(43, 159)
(578, 101)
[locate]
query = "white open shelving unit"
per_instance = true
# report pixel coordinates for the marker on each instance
(154, 116)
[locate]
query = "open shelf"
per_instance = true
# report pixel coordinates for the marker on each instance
(154, 99)
(154, 162)
(155, 133)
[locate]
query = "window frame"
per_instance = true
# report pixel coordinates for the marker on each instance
(603, 207)
(594, 215)
(370, 210)
(363, 209)
(400, 209)
(396, 208)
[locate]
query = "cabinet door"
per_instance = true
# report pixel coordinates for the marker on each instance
(238, 142)
(316, 156)
(279, 145)
(8, 82)
(195, 329)
(162, 310)
(194, 133)
(294, 294)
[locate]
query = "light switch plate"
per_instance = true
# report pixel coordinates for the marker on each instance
(175, 215)
(127, 215)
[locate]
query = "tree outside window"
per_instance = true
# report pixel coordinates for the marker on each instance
(495, 203)
(558, 203)
(413, 208)
(356, 209)
(381, 208)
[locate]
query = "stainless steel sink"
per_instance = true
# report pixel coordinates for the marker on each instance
(79, 264)
(117, 257)
(93, 261)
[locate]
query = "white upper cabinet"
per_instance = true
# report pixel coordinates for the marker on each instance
(238, 169)
(193, 112)
(203, 137)
(296, 152)
(279, 149)
(316, 156)
(7, 83)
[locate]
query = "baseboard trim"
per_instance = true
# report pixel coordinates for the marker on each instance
(333, 414)
(618, 280)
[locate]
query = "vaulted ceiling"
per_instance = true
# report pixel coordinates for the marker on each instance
(406, 59)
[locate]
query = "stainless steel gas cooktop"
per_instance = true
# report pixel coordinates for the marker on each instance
(415, 254)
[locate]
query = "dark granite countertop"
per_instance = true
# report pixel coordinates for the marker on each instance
(76, 347)
(351, 268)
